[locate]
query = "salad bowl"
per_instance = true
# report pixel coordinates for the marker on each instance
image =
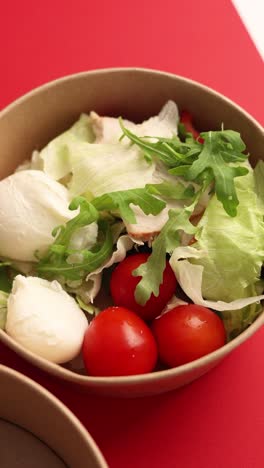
(136, 94)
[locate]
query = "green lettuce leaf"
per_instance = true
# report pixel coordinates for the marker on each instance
(237, 314)
(224, 265)
(5, 282)
(121, 200)
(3, 308)
(236, 321)
(57, 155)
(104, 168)
(234, 246)
(259, 178)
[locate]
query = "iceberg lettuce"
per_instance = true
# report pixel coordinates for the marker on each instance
(103, 168)
(56, 156)
(99, 165)
(222, 269)
(259, 178)
(234, 246)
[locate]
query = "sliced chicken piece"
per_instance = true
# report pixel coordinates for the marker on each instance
(149, 226)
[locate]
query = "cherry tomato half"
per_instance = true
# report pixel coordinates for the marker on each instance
(118, 342)
(186, 333)
(123, 285)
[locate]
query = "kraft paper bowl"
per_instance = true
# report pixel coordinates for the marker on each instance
(37, 430)
(33, 120)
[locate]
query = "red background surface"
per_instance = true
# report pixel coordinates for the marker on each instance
(218, 421)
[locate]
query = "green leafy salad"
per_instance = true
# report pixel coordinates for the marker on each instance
(107, 188)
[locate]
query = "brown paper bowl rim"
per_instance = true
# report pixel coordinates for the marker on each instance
(150, 71)
(66, 374)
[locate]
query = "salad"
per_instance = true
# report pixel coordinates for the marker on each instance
(132, 247)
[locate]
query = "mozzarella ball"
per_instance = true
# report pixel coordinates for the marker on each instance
(44, 319)
(31, 205)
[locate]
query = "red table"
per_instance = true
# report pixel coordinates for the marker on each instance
(218, 421)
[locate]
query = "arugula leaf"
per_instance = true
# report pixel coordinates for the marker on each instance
(87, 215)
(176, 191)
(214, 157)
(56, 263)
(217, 157)
(121, 200)
(167, 240)
(167, 150)
(62, 261)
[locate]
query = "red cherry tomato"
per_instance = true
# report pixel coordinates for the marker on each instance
(123, 285)
(118, 342)
(186, 333)
(187, 119)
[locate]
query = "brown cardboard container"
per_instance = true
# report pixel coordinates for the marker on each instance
(33, 120)
(37, 430)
